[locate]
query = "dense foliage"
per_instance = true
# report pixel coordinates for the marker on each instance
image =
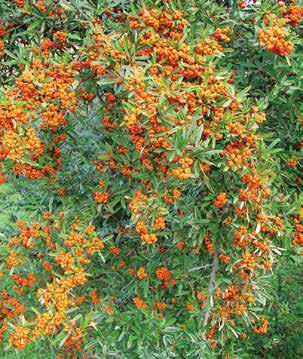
(154, 149)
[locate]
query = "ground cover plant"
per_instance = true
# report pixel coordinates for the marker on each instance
(151, 175)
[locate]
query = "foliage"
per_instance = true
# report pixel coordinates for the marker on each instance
(157, 151)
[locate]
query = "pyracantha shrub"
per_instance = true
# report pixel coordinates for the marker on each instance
(181, 204)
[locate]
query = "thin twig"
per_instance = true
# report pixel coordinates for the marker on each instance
(197, 268)
(211, 285)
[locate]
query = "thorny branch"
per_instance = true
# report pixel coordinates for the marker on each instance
(211, 285)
